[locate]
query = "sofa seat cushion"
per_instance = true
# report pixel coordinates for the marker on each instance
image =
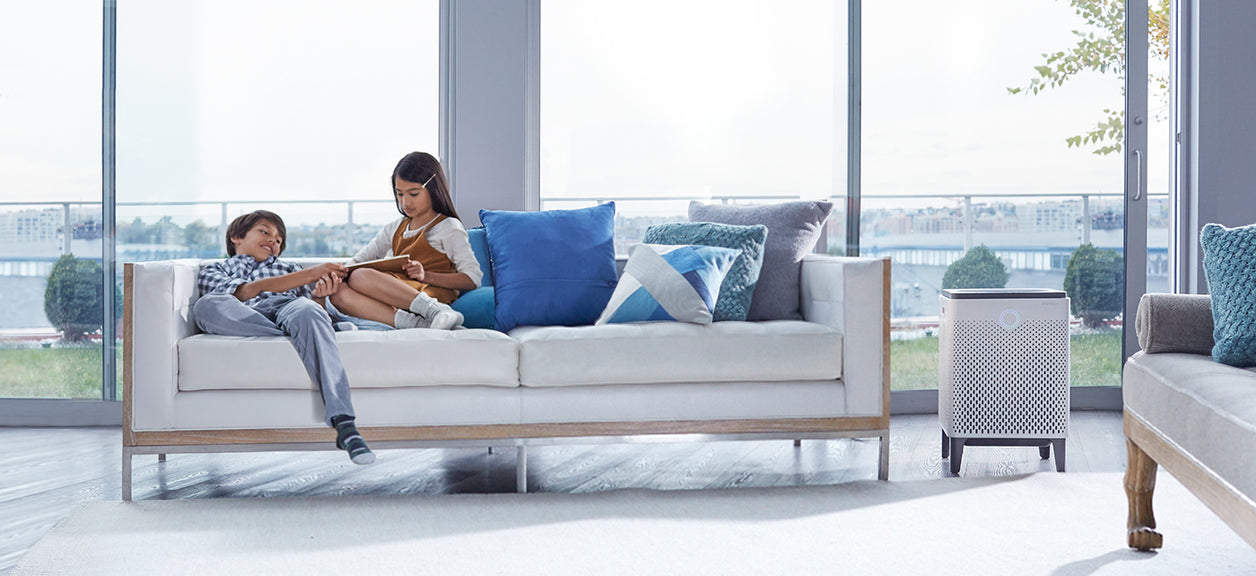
(372, 359)
(1206, 407)
(653, 352)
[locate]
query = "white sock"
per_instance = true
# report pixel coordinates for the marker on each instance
(440, 316)
(403, 319)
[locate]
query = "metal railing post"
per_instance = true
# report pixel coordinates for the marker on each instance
(66, 230)
(968, 223)
(1086, 220)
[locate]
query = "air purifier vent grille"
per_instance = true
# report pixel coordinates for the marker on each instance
(1010, 381)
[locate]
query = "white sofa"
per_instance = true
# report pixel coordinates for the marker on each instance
(1190, 414)
(826, 376)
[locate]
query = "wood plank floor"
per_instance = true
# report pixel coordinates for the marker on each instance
(48, 471)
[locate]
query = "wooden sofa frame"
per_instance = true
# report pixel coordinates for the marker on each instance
(1147, 447)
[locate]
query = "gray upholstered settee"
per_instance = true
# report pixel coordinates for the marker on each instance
(1191, 415)
(824, 376)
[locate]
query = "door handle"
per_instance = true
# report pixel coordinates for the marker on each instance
(1138, 175)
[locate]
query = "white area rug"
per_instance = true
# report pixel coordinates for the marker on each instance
(1046, 523)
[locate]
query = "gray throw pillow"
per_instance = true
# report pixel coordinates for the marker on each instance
(738, 286)
(793, 229)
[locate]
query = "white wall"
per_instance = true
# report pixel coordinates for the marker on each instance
(1222, 129)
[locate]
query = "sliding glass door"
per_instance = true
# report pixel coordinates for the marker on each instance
(995, 154)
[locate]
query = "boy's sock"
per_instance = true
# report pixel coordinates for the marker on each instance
(403, 319)
(348, 439)
(441, 316)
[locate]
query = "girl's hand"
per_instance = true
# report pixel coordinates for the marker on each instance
(414, 270)
(326, 286)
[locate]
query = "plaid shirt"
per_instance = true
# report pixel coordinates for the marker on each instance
(223, 277)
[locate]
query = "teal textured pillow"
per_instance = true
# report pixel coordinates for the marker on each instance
(677, 283)
(1230, 267)
(551, 267)
(479, 245)
(738, 286)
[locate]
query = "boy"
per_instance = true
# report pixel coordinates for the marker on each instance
(254, 293)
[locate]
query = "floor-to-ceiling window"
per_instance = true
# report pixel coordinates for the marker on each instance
(993, 154)
(222, 107)
(51, 285)
(655, 104)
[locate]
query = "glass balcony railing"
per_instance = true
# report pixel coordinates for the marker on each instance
(1032, 235)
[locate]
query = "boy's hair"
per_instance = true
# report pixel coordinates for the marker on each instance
(419, 167)
(241, 226)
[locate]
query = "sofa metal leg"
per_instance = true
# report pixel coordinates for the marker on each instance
(883, 465)
(521, 469)
(1140, 483)
(161, 457)
(126, 474)
(797, 443)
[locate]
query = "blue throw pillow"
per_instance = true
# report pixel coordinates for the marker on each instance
(738, 286)
(678, 283)
(479, 245)
(551, 267)
(1230, 267)
(477, 307)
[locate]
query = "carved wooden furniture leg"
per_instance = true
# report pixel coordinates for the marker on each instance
(1140, 482)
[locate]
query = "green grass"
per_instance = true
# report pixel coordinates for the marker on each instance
(1096, 361)
(52, 372)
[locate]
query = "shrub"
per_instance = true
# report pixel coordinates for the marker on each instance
(979, 268)
(73, 298)
(1095, 282)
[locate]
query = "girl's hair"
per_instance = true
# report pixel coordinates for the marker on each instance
(241, 226)
(420, 167)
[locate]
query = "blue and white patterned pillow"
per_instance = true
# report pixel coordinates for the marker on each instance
(662, 282)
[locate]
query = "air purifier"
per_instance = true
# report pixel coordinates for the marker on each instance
(1003, 370)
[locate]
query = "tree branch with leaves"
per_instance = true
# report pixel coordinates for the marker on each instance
(1101, 48)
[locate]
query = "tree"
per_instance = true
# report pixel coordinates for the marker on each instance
(73, 298)
(202, 240)
(1095, 282)
(1102, 50)
(979, 268)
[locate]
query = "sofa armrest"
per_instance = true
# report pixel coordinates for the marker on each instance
(1175, 323)
(158, 308)
(852, 295)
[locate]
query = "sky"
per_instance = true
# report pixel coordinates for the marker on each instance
(316, 100)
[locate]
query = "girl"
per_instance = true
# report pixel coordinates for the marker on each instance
(441, 260)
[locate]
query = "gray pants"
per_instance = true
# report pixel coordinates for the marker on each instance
(305, 323)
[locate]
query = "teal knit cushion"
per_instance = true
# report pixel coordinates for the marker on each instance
(738, 286)
(1230, 267)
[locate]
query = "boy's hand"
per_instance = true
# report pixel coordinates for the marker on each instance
(329, 269)
(326, 286)
(414, 270)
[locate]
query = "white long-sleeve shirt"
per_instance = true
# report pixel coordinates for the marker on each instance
(448, 237)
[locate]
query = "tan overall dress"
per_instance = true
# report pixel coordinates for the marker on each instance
(419, 250)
